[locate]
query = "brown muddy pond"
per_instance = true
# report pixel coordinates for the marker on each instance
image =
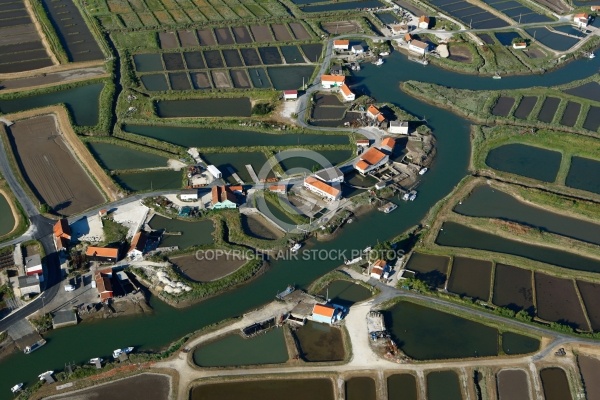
(557, 301)
(360, 388)
(470, 277)
(590, 294)
(514, 343)
(503, 106)
(589, 367)
(548, 109)
(319, 342)
(513, 384)
(210, 107)
(525, 106)
(571, 114)
(258, 227)
(513, 288)
(429, 268)
(402, 387)
(275, 389)
(555, 384)
(144, 386)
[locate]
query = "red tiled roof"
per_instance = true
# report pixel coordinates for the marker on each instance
(103, 284)
(424, 19)
(372, 156)
(333, 78)
(380, 118)
(277, 188)
(377, 270)
(582, 15)
(362, 141)
(222, 193)
(106, 252)
(290, 92)
(322, 186)
(323, 310)
(373, 110)
(419, 44)
(346, 90)
(388, 142)
(379, 263)
(408, 37)
(62, 229)
(362, 165)
(341, 43)
(139, 241)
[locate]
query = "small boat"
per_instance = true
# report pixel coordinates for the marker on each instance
(367, 249)
(589, 55)
(96, 360)
(43, 375)
(379, 61)
(412, 195)
(126, 350)
(385, 53)
(406, 196)
(34, 347)
(423, 170)
(497, 76)
(16, 388)
(388, 207)
(288, 290)
(353, 261)
(296, 247)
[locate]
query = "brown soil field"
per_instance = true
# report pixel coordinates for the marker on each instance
(241, 35)
(206, 37)
(224, 36)
(240, 79)
(18, 34)
(430, 268)
(513, 385)
(187, 38)
(512, 288)
(201, 80)
(168, 40)
(194, 60)
(173, 61)
(327, 100)
(220, 79)
(148, 386)
(281, 32)
(49, 166)
(557, 301)
(460, 53)
(250, 57)
(555, 384)
(213, 59)
(535, 53)
(503, 106)
(589, 367)
(590, 293)
(179, 81)
(256, 226)
(232, 58)
(470, 277)
(261, 33)
(340, 27)
(214, 266)
(299, 31)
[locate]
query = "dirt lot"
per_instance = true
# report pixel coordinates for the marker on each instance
(241, 35)
(187, 38)
(240, 79)
(558, 301)
(144, 386)
(224, 36)
(206, 37)
(590, 293)
(50, 168)
(340, 27)
(299, 31)
(460, 53)
(220, 79)
(513, 385)
(281, 33)
(214, 266)
(589, 367)
(201, 80)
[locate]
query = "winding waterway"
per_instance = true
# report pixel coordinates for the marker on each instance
(81, 342)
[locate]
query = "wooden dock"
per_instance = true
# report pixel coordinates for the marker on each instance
(235, 175)
(252, 173)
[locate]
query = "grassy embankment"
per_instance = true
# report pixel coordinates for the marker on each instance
(477, 105)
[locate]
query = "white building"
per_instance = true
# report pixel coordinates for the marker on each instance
(29, 285)
(417, 46)
(363, 142)
(519, 45)
(424, 22)
(341, 45)
(357, 49)
(322, 189)
(138, 245)
(290, 94)
(347, 93)
(330, 175)
(329, 81)
(581, 20)
(214, 171)
(189, 194)
(33, 265)
(398, 127)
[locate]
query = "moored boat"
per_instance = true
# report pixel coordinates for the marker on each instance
(126, 350)
(16, 388)
(95, 360)
(423, 170)
(378, 62)
(34, 347)
(43, 375)
(296, 247)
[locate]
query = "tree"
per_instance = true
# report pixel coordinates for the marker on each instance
(44, 208)
(382, 250)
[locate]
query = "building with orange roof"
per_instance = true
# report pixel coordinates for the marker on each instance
(347, 93)
(341, 44)
(324, 313)
(388, 144)
(373, 112)
(581, 19)
(419, 47)
(329, 81)
(519, 45)
(322, 189)
(380, 118)
(378, 269)
(408, 38)
(138, 245)
(62, 234)
(424, 22)
(223, 197)
(595, 8)
(370, 160)
(281, 189)
(363, 142)
(102, 254)
(104, 285)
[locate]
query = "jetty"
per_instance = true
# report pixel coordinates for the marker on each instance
(252, 173)
(235, 175)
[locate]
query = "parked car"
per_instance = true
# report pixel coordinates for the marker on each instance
(69, 288)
